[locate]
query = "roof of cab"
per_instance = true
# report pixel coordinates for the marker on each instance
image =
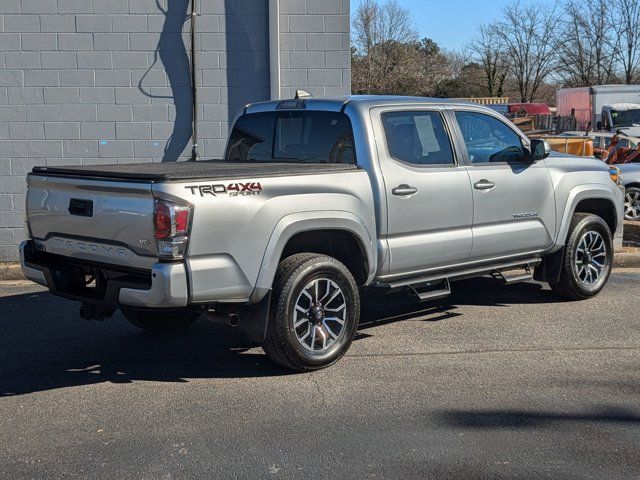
(623, 107)
(339, 103)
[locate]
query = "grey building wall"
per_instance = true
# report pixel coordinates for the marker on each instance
(106, 81)
(315, 47)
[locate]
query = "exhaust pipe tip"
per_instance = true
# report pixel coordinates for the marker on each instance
(233, 319)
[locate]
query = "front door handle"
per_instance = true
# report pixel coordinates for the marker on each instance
(404, 190)
(484, 184)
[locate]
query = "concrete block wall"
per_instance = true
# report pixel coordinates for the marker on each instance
(108, 81)
(315, 47)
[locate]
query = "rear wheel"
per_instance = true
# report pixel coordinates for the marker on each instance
(632, 203)
(161, 320)
(315, 312)
(588, 257)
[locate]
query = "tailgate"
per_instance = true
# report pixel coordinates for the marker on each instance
(96, 220)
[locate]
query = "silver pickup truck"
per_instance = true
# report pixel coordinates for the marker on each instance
(314, 200)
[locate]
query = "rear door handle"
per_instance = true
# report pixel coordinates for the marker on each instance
(404, 190)
(484, 185)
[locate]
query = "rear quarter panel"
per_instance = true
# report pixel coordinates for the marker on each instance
(232, 231)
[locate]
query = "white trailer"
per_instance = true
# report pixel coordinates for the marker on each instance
(587, 103)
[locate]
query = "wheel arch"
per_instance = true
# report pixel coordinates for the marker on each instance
(594, 199)
(602, 207)
(336, 234)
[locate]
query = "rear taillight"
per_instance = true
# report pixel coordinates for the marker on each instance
(171, 223)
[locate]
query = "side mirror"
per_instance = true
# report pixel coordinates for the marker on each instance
(540, 149)
(599, 125)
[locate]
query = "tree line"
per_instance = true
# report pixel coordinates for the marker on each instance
(526, 53)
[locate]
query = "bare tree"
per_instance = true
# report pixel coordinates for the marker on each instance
(626, 18)
(488, 50)
(383, 38)
(528, 35)
(585, 43)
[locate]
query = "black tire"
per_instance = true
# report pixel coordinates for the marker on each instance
(570, 284)
(632, 204)
(161, 320)
(294, 275)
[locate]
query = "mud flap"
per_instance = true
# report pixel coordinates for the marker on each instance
(253, 320)
(550, 268)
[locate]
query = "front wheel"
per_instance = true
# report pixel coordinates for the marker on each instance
(159, 320)
(587, 260)
(315, 312)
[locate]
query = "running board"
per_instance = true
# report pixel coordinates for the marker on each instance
(443, 292)
(461, 274)
(505, 279)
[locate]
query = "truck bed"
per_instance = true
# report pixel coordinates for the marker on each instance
(209, 169)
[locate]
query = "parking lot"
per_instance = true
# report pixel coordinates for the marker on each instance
(493, 382)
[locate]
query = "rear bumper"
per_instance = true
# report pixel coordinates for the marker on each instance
(164, 286)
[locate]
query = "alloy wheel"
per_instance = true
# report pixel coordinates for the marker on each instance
(632, 205)
(590, 258)
(320, 315)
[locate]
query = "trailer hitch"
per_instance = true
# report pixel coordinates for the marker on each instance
(95, 312)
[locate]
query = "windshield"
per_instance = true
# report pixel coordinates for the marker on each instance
(626, 118)
(292, 136)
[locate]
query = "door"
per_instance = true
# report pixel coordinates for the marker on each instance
(514, 202)
(428, 193)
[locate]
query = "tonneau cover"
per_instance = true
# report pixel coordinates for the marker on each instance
(157, 172)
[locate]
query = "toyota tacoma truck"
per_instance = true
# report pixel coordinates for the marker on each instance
(314, 200)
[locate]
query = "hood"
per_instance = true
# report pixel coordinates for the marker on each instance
(630, 131)
(629, 173)
(573, 162)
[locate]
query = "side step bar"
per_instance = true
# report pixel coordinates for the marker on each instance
(506, 279)
(461, 274)
(443, 292)
(526, 263)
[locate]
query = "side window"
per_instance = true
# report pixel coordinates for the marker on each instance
(417, 137)
(489, 140)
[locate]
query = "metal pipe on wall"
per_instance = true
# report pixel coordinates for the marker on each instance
(274, 48)
(194, 83)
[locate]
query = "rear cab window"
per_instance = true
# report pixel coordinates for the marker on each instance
(292, 136)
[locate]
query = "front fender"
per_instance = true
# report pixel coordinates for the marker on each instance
(293, 224)
(588, 192)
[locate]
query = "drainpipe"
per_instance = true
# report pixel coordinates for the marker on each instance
(274, 48)
(194, 82)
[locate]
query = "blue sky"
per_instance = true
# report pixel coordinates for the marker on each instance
(451, 23)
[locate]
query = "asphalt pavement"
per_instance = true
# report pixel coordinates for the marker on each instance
(493, 382)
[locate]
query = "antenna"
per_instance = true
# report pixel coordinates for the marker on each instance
(300, 94)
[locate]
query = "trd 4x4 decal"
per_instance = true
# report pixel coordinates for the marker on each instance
(232, 189)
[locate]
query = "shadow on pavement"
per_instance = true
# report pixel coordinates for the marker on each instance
(490, 419)
(45, 345)
(379, 308)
